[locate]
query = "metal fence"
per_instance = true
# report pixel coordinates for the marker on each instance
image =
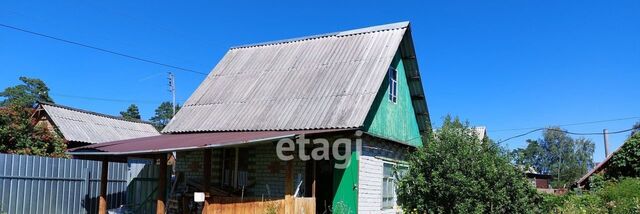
(32, 184)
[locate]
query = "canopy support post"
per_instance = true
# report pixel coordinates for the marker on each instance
(162, 185)
(104, 172)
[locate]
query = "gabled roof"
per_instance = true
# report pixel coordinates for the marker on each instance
(598, 168)
(327, 81)
(91, 127)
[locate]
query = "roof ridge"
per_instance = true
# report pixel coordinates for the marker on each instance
(370, 29)
(94, 113)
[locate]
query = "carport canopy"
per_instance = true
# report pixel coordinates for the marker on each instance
(149, 146)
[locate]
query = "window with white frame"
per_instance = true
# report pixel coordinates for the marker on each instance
(393, 84)
(390, 175)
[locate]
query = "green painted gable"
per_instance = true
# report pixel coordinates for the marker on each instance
(396, 121)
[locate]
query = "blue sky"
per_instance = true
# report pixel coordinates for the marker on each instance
(502, 64)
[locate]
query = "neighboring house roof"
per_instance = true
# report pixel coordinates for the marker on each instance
(327, 81)
(91, 127)
(536, 175)
(599, 167)
(480, 131)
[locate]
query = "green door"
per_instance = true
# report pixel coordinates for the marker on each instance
(345, 187)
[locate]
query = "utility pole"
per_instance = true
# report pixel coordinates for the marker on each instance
(605, 133)
(172, 89)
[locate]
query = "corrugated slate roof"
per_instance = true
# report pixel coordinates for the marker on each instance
(318, 82)
(90, 127)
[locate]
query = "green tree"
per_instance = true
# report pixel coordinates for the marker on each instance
(26, 94)
(163, 115)
(557, 154)
(455, 172)
(529, 156)
(132, 113)
(19, 135)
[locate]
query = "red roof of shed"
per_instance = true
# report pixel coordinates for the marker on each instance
(176, 142)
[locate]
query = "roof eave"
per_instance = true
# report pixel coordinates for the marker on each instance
(420, 106)
(156, 151)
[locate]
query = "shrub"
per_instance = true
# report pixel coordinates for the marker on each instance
(586, 203)
(455, 172)
(622, 196)
(551, 203)
(613, 197)
(19, 135)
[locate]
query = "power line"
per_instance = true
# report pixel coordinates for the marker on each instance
(563, 131)
(102, 49)
(570, 124)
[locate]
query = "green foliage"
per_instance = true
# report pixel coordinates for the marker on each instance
(586, 203)
(455, 172)
(626, 162)
(558, 154)
(163, 115)
(596, 182)
(26, 94)
(341, 208)
(19, 135)
(613, 197)
(622, 196)
(132, 113)
(636, 129)
(551, 203)
(530, 156)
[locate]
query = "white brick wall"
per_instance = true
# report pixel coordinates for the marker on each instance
(370, 174)
(190, 163)
(261, 159)
(265, 157)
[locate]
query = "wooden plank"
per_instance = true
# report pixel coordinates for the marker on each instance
(104, 172)
(225, 205)
(206, 176)
(313, 185)
(288, 189)
(162, 185)
(288, 180)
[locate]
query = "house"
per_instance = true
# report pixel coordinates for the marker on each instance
(80, 127)
(540, 181)
(480, 131)
(358, 90)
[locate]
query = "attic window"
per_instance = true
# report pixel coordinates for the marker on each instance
(393, 85)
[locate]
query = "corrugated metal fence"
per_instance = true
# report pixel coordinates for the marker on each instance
(32, 184)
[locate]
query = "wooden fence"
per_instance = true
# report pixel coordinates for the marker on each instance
(32, 184)
(233, 205)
